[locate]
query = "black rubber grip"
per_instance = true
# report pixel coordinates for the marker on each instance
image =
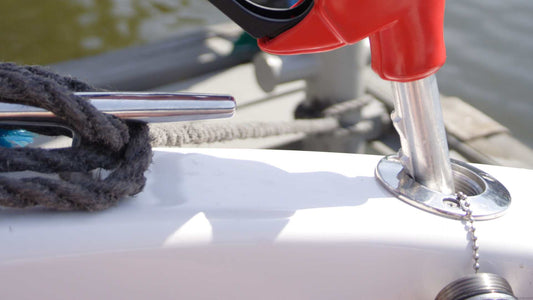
(260, 21)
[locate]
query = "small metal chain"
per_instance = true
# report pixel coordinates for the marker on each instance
(465, 206)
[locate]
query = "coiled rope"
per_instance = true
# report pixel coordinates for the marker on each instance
(106, 142)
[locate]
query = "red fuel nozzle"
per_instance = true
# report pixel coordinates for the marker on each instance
(406, 36)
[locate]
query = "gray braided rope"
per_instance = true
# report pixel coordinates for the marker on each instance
(177, 135)
(106, 142)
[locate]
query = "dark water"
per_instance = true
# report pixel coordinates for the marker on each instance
(489, 42)
(47, 31)
(490, 60)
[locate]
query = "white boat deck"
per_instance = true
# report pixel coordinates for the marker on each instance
(261, 224)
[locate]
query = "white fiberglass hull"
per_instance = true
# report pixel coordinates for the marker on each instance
(260, 224)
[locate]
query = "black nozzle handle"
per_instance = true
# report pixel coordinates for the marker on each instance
(260, 21)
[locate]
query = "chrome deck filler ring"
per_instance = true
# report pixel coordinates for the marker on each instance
(488, 197)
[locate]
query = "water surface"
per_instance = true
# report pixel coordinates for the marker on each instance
(490, 60)
(44, 32)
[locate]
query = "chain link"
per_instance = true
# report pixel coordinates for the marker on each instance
(465, 206)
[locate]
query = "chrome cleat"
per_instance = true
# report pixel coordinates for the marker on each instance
(145, 106)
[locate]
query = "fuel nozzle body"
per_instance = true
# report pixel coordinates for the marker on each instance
(406, 36)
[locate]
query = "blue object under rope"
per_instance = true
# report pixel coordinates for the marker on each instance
(15, 138)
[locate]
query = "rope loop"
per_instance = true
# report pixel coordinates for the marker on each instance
(106, 142)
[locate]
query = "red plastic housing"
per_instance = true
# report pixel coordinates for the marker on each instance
(406, 36)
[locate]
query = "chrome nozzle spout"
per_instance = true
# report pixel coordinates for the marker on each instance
(418, 119)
